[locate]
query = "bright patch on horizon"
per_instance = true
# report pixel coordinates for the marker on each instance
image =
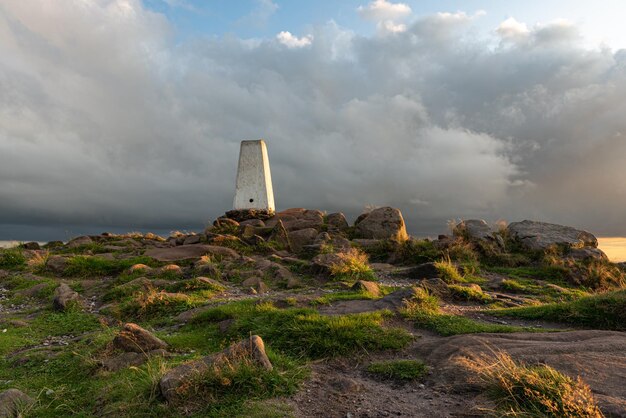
(614, 247)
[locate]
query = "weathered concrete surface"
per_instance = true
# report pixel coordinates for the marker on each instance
(254, 180)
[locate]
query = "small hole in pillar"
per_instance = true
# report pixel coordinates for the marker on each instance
(251, 200)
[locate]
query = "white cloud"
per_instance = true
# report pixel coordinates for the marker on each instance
(291, 41)
(381, 10)
(388, 26)
(512, 29)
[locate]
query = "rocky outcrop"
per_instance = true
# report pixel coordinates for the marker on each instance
(301, 238)
(189, 252)
(79, 241)
(249, 351)
(12, 401)
(298, 218)
(541, 236)
(382, 223)
(241, 215)
(56, 264)
(598, 356)
(337, 222)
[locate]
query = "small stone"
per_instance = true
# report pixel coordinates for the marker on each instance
(133, 338)
(64, 296)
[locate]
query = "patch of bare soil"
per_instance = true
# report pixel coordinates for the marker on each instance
(343, 388)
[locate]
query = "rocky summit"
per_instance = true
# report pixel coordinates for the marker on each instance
(301, 313)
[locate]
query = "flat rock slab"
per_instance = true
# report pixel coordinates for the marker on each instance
(392, 302)
(189, 252)
(598, 357)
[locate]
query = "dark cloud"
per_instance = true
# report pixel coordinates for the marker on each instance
(106, 122)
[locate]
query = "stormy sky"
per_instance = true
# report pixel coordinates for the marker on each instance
(116, 116)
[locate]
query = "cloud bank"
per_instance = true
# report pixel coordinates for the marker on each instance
(106, 121)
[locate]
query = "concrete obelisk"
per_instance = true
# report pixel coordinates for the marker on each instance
(254, 180)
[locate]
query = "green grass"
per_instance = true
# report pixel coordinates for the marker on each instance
(545, 293)
(468, 293)
(400, 370)
(155, 304)
(329, 298)
(86, 266)
(47, 324)
(603, 311)
(424, 310)
(552, 274)
(304, 332)
(94, 248)
(225, 391)
(12, 259)
(448, 272)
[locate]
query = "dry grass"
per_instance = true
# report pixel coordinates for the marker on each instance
(37, 262)
(352, 265)
(533, 391)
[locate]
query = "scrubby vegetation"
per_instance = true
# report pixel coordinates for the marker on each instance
(352, 265)
(521, 390)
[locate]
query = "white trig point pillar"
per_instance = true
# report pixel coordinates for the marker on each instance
(254, 180)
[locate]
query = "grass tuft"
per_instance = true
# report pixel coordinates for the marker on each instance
(448, 271)
(352, 265)
(534, 391)
(400, 370)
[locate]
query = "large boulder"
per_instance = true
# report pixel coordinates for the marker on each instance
(249, 350)
(189, 252)
(474, 230)
(541, 236)
(337, 221)
(382, 223)
(133, 338)
(12, 401)
(57, 264)
(79, 241)
(302, 237)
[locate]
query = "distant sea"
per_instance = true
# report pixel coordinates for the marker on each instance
(614, 247)
(8, 244)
